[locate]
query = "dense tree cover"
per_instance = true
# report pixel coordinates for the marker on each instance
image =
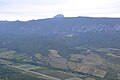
(62, 34)
(35, 43)
(7, 73)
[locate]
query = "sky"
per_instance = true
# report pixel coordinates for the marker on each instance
(24, 10)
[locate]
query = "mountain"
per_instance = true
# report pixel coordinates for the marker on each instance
(59, 16)
(60, 48)
(65, 25)
(63, 34)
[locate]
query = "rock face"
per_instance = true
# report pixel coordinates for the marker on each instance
(59, 16)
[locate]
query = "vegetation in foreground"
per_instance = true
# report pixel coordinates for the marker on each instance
(91, 63)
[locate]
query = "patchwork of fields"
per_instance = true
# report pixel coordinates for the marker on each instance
(90, 66)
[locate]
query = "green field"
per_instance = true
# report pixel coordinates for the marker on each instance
(54, 73)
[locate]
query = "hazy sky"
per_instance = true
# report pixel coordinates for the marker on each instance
(39, 9)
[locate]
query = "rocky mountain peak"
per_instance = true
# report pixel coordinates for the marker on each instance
(59, 16)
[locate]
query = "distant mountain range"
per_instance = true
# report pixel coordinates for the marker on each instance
(61, 33)
(61, 25)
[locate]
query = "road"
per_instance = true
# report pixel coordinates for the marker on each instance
(36, 73)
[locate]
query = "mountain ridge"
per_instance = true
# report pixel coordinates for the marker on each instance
(63, 34)
(71, 22)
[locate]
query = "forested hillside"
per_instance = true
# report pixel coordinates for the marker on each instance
(62, 34)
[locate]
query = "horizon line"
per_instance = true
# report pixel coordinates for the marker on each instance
(62, 17)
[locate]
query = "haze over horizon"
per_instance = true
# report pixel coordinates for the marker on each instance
(24, 10)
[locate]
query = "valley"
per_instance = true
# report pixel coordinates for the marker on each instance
(93, 64)
(67, 48)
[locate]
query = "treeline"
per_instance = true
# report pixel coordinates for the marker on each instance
(36, 43)
(7, 73)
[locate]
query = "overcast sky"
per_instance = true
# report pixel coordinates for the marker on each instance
(39, 9)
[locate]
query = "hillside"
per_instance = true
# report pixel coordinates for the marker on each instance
(61, 48)
(63, 34)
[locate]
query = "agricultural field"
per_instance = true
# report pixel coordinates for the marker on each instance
(26, 66)
(92, 66)
(54, 73)
(14, 55)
